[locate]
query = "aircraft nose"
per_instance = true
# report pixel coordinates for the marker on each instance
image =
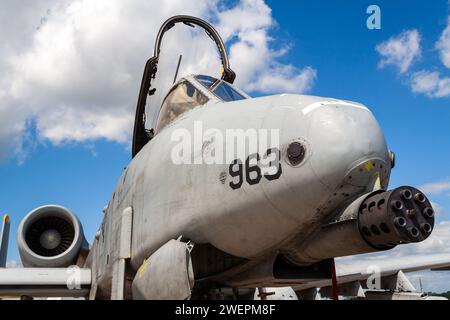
(344, 136)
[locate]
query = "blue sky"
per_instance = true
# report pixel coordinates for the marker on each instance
(80, 171)
(333, 38)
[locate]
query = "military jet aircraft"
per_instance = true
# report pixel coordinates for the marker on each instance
(182, 224)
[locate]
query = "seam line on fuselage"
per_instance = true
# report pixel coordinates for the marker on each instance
(319, 104)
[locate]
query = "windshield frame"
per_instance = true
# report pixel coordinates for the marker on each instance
(214, 86)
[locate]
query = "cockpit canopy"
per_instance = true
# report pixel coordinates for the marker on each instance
(181, 99)
(194, 91)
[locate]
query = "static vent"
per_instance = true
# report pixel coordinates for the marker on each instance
(50, 236)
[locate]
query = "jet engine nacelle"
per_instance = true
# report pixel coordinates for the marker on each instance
(374, 222)
(50, 236)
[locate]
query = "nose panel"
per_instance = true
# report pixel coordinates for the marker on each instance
(344, 137)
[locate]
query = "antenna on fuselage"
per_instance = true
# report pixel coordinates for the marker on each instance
(178, 68)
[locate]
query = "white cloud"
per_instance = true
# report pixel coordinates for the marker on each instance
(438, 209)
(436, 188)
(82, 125)
(403, 49)
(400, 51)
(252, 56)
(431, 84)
(443, 45)
(247, 16)
(74, 68)
(437, 243)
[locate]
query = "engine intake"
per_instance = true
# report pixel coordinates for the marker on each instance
(50, 236)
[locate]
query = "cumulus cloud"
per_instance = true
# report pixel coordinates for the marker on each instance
(400, 51)
(443, 45)
(16, 33)
(73, 68)
(437, 243)
(438, 209)
(250, 23)
(432, 84)
(436, 188)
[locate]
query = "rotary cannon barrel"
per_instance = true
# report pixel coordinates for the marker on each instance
(399, 216)
(374, 222)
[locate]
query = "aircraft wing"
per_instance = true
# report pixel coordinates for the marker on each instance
(39, 282)
(352, 271)
(389, 266)
(44, 282)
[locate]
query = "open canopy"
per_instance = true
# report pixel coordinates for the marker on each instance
(141, 135)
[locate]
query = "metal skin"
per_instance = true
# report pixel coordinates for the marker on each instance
(44, 282)
(333, 156)
(345, 154)
(165, 285)
(191, 201)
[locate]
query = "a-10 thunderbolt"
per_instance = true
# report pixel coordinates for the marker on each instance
(180, 225)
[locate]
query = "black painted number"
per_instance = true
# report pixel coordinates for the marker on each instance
(275, 164)
(253, 172)
(236, 173)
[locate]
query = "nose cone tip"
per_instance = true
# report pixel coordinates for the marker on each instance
(343, 137)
